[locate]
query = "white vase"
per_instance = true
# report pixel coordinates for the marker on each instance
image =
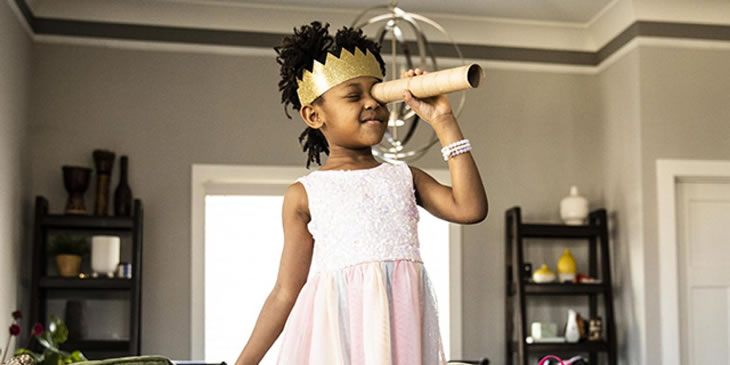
(104, 254)
(574, 208)
(572, 334)
(543, 275)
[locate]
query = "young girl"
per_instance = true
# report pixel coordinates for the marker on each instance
(351, 287)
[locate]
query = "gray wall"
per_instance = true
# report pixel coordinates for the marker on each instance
(685, 114)
(15, 48)
(166, 111)
(534, 134)
(618, 87)
(656, 103)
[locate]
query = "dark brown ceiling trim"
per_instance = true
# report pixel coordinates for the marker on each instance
(185, 35)
(684, 30)
(154, 33)
(27, 13)
(517, 54)
(631, 32)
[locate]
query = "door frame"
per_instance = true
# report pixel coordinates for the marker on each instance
(669, 173)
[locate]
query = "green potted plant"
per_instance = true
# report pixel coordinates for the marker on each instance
(68, 250)
(50, 342)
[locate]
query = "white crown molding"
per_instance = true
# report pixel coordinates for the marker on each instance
(610, 22)
(616, 17)
(277, 19)
(696, 11)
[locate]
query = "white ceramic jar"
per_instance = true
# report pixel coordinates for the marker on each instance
(574, 208)
(572, 333)
(543, 275)
(104, 255)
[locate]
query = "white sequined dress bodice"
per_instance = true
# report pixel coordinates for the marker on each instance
(362, 216)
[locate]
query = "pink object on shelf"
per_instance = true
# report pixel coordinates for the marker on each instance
(548, 357)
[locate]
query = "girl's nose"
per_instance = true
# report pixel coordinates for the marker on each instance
(371, 103)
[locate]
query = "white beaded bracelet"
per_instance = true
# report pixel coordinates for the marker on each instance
(458, 151)
(454, 144)
(450, 147)
(456, 148)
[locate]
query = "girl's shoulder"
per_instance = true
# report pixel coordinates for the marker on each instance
(296, 200)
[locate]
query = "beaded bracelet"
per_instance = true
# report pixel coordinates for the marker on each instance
(454, 144)
(457, 151)
(456, 148)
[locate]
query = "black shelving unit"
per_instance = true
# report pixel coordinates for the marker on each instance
(520, 288)
(42, 283)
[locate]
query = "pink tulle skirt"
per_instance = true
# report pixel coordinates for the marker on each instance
(375, 313)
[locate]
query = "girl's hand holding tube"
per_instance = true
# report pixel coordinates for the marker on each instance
(434, 110)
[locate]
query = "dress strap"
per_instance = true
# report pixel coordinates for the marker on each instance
(304, 180)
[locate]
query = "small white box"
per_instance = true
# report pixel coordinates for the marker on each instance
(543, 330)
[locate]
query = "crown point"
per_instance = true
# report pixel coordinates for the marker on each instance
(336, 70)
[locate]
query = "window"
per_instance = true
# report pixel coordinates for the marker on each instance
(243, 242)
(240, 226)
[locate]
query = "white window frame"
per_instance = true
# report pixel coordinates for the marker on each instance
(251, 179)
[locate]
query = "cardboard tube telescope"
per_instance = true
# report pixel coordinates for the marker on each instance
(430, 84)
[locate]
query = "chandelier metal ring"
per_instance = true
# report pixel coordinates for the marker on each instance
(396, 20)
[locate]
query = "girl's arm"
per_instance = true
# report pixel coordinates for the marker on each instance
(293, 270)
(465, 201)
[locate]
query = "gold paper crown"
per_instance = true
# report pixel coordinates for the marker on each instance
(336, 71)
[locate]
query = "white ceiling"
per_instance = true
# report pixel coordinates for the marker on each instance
(567, 11)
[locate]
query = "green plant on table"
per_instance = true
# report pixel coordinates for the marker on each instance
(51, 341)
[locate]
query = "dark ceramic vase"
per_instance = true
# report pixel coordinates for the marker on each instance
(75, 318)
(76, 182)
(104, 161)
(123, 193)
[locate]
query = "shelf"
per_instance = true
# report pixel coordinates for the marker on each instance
(96, 345)
(521, 239)
(49, 290)
(563, 289)
(68, 221)
(585, 346)
(558, 231)
(99, 349)
(98, 355)
(57, 282)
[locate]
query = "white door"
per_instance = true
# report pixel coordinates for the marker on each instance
(703, 235)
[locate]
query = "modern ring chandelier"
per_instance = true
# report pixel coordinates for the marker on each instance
(403, 141)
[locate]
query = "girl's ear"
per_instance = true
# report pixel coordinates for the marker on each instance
(311, 116)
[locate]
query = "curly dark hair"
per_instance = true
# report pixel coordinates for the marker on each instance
(298, 52)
